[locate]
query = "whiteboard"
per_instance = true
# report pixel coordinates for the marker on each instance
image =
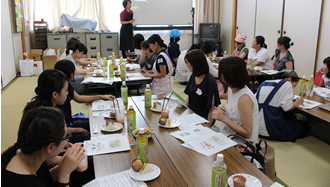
(162, 12)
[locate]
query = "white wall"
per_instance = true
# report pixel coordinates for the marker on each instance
(323, 50)
(8, 65)
(226, 18)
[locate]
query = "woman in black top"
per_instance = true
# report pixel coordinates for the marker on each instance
(42, 135)
(202, 89)
(126, 31)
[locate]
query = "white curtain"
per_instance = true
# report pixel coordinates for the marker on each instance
(51, 11)
(206, 11)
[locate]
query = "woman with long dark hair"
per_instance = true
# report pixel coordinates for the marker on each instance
(283, 58)
(41, 136)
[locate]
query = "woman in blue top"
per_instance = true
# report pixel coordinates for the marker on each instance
(283, 58)
(162, 69)
(173, 46)
(202, 88)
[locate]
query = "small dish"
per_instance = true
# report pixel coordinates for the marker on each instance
(146, 177)
(119, 125)
(136, 130)
(251, 181)
(173, 124)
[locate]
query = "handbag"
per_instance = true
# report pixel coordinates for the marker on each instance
(259, 154)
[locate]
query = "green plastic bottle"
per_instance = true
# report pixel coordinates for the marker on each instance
(219, 170)
(113, 57)
(124, 90)
(142, 145)
(147, 96)
(303, 86)
(252, 65)
(131, 119)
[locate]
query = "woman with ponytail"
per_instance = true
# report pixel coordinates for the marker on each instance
(259, 53)
(162, 68)
(283, 58)
(52, 90)
(41, 136)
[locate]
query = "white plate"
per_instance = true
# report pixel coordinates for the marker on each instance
(251, 181)
(94, 75)
(174, 124)
(146, 177)
(149, 136)
(119, 125)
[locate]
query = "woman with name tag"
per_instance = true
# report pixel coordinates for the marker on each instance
(240, 115)
(42, 135)
(162, 69)
(202, 87)
(275, 99)
(325, 82)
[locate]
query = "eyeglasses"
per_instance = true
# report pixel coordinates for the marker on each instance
(67, 137)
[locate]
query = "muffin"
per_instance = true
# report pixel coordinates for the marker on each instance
(137, 164)
(162, 120)
(113, 114)
(239, 181)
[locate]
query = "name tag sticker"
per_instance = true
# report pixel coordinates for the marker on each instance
(199, 92)
(160, 60)
(232, 110)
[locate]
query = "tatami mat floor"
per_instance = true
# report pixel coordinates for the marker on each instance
(300, 164)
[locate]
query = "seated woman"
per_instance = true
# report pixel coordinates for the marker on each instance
(148, 57)
(208, 47)
(259, 54)
(202, 88)
(42, 135)
(173, 47)
(137, 40)
(240, 116)
(79, 50)
(68, 69)
(283, 58)
(52, 90)
(325, 82)
(68, 50)
(275, 99)
(162, 69)
(182, 73)
(241, 50)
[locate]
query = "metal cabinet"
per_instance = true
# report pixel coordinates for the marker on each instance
(57, 41)
(93, 44)
(109, 44)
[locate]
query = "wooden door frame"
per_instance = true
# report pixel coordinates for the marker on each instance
(233, 27)
(318, 39)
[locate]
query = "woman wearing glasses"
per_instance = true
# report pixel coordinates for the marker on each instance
(241, 50)
(41, 136)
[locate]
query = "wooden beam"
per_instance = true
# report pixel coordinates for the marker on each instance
(233, 28)
(318, 39)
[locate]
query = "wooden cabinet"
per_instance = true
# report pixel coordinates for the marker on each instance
(274, 18)
(40, 31)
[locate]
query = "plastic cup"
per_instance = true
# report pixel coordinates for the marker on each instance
(120, 114)
(83, 164)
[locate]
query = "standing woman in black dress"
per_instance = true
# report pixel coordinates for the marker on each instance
(126, 31)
